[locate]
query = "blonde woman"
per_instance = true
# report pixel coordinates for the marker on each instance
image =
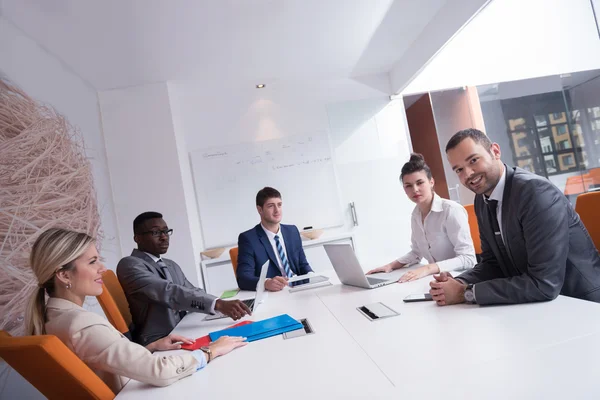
(68, 269)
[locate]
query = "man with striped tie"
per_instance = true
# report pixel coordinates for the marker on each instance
(156, 288)
(270, 240)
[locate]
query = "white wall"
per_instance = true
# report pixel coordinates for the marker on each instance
(515, 39)
(144, 162)
(47, 79)
(370, 141)
(368, 138)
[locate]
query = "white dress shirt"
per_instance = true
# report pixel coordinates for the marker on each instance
(444, 238)
(212, 306)
(271, 237)
(497, 195)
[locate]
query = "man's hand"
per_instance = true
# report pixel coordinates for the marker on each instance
(232, 308)
(446, 290)
(171, 342)
(276, 284)
(419, 273)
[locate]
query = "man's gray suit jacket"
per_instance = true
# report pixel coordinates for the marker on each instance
(156, 304)
(550, 251)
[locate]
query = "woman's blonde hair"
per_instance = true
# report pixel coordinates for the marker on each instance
(54, 250)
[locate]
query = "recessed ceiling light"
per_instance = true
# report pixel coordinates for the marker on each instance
(260, 86)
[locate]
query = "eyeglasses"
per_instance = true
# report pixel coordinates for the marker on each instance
(167, 232)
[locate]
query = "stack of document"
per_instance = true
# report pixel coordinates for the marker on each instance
(205, 340)
(261, 329)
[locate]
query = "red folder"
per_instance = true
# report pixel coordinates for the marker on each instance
(205, 340)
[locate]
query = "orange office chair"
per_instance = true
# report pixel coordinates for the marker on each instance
(588, 208)
(233, 254)
(114, 303)
(474, 226)
(53, 369)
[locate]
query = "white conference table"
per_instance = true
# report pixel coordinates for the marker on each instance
(542, 350)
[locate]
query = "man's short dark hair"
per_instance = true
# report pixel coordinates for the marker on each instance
(266, 193)
(474, 134)
(142, 218)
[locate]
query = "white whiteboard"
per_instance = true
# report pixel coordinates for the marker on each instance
(226, 180)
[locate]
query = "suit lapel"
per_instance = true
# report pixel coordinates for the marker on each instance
(140, 254)
(510, 173)
(262, 236)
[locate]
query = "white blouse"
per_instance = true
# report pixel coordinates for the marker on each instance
(444, 238)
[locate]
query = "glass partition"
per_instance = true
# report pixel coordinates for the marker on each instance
(547, 125)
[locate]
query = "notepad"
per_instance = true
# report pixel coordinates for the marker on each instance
(205, 340)
(261, 329)
(229, 293)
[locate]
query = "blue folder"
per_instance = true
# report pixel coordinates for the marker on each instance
(260, 329)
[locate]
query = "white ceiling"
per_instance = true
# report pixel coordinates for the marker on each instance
(117, 43)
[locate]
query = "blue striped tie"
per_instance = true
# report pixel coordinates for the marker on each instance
(284, 260)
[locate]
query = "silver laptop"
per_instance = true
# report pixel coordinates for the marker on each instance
(348, 268)
(251, 303)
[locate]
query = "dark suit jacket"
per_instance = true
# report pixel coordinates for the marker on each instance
(254, 249)
(157, 305)
(550, 250)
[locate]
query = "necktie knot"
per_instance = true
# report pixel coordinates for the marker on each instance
(493, 205)
(165, 269)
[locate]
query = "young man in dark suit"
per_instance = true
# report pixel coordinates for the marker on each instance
(534, 246)
(273, 241)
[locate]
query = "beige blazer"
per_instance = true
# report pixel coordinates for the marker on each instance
(110, 354)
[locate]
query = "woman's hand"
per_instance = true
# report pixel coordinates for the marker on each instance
(225, 344)
(386, 268)
(419, 273)
(171, 342)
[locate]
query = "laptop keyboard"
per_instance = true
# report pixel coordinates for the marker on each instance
(374, 281)
(249, 303)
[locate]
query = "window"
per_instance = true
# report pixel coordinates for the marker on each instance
(526, 164)
(564, 144)
(515, 124)
(540, 120)
(562, 129)
(550, 163)
(568, 160)
(546, 145)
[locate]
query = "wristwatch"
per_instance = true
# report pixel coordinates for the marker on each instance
(469, 295)
(208, 351)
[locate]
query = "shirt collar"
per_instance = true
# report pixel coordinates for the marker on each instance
(61, 304)
(270, 234)
(498, 191)
(436, 205)
(153, 257)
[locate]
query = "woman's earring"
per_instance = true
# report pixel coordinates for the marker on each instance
(69, 285)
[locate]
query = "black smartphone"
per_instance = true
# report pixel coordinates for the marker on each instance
(418, 297)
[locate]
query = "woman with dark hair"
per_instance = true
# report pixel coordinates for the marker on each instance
(440, 227)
